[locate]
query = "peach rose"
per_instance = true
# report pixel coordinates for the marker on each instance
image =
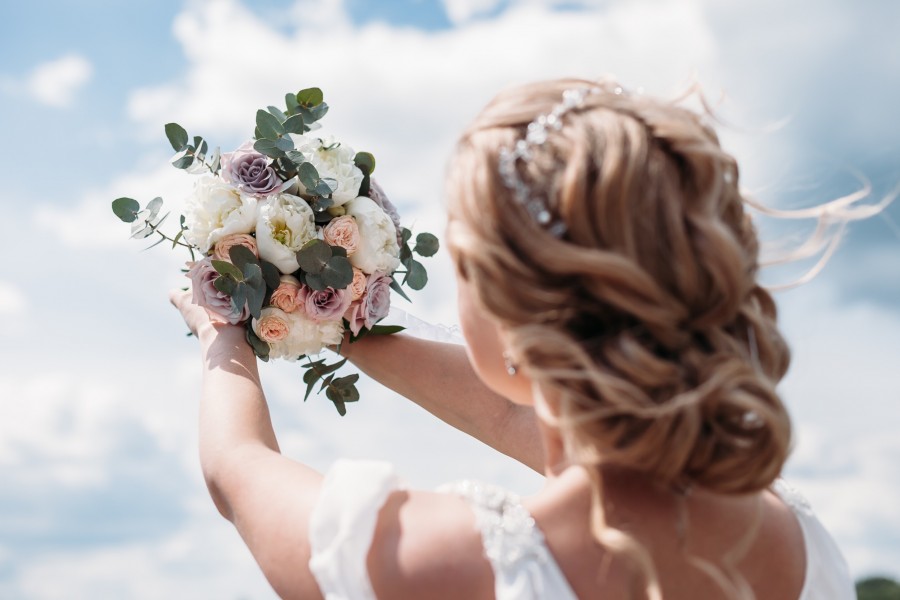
(288, 297)
(343, 232)
(273, 325)
(223, 246)
(357, 287)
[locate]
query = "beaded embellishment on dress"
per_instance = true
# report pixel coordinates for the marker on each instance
(508, 530)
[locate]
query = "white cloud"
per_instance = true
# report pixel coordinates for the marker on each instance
(461, 11)
(844, 396)
(56, 83)
(12, 299)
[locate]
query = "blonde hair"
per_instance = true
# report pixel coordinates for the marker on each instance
(645, 322)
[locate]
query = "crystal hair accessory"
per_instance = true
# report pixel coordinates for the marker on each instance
(536, 134)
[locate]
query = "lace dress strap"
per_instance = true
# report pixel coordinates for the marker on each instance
(827, 576)
(342, 526)
(524, 568)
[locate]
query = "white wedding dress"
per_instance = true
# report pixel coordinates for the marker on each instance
(353, 492)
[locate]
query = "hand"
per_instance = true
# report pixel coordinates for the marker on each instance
(195, 317)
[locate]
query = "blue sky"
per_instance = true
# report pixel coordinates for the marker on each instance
(101, 494)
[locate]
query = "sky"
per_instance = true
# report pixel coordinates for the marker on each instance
(100, 490)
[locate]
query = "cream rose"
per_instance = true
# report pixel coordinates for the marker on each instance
(306, 337)
(216, 210)
(287, 296)
(343, 232)
(332, 161)
(285, 223)
(273, 325)
(223, 247)
(378, 249)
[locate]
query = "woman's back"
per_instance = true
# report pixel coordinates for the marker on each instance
(501, 552)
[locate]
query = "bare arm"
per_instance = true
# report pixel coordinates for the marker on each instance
(267, 496)
(438, 377)
(270, 498)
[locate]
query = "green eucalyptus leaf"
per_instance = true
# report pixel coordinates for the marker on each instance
(200, 147)
(256, 288)
(365, 162)
(285, 144)
(416, 277)
(295, 124)
(405, 253)
(313, 256)
(241, 256)
(290, 101)
(386, 329)
(183, 162)
(153, 207)
(339, 251)
(405, 234)
(269, 148)
(320, 204)
(215, 162)
(225, 284)
(427, 244)
(223, 267)
(296, 157)
(310, 378)
(396, 287)
(177, 238)
(322, 188)
(315, 113)
(239, 297)
(271, 274)
(308, 175)
(337, 273)
(277, 113)
(260, 348)
(315, 282)
(126, 209)
(177, 136)
(338, 402)
(310, 97)
(269, 126)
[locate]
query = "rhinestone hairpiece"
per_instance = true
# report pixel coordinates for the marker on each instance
(536, 134)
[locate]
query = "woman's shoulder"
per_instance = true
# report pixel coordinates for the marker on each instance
(371, 536)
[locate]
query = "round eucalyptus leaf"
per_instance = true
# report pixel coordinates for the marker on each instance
(315, 282)
(338, 273)
(417, 276)
(126, 209)
(313, 256)
(426, 244)
(178, 137)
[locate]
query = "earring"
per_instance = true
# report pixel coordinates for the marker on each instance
(511, 367)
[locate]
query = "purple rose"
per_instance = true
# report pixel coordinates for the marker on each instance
(326, 305)
(250, 172)
(376, 193)
(373, 306)
(218, 304)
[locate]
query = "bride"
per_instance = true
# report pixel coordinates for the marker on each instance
(617, 340)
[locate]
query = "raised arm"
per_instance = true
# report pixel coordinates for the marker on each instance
(438, 377)
(267, 496)
(270, 498)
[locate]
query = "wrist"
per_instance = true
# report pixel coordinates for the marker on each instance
(210, 331)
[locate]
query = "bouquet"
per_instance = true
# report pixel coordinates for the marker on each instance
(291, 237)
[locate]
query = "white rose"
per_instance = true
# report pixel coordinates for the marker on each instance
(216, 210)
(335, 163)
(306, 337)
(378, 249)
(285, 223)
